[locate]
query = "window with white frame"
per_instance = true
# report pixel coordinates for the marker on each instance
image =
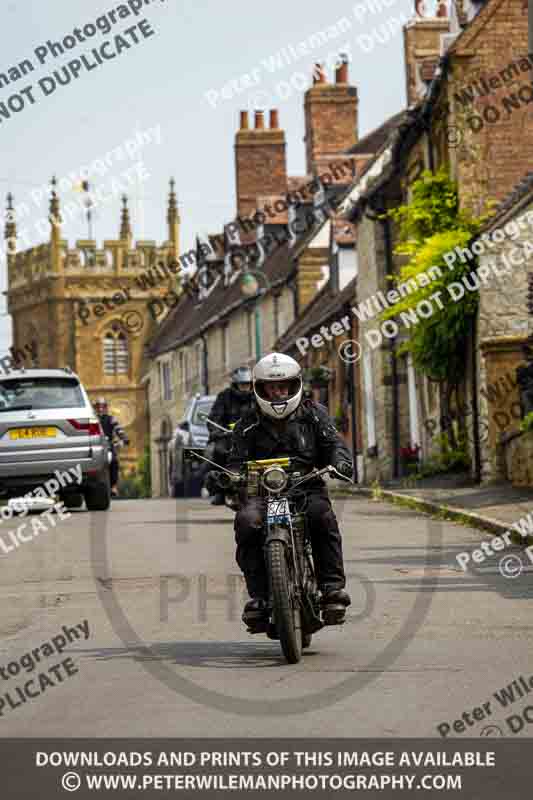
(165, 380)
(184, 369)
(225, 348)
(370, 408)
(198, 353)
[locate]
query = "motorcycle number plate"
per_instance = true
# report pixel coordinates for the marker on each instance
(278, 512)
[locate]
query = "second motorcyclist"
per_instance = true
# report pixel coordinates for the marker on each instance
(229, 407)
(111, 428)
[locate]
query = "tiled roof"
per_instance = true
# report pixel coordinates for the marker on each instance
(190, 317)
(325, 307)
(374, 140)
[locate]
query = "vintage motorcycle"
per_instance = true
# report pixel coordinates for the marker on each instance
(294, 600)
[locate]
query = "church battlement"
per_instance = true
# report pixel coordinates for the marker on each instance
(119, 258)
(114, 258)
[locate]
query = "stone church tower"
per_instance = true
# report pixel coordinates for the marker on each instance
(88, 308)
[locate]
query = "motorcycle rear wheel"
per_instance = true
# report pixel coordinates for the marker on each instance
(286, 613)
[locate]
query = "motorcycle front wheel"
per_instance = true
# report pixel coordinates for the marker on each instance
(285, 608)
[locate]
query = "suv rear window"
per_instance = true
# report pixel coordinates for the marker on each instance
(202, 407)
(39, 393)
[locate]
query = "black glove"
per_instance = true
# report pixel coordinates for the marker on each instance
(212, 481)
(345, 468)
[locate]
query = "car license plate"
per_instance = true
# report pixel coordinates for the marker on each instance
(32, 433)
(278, 512)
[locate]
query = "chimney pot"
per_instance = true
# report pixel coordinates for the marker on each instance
(259, 120)
(244, 120)
(318, 74)
(274, 118)
(341, 73)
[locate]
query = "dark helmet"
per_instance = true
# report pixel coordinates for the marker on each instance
(241, 381)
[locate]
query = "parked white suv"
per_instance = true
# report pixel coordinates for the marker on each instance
(47, 424)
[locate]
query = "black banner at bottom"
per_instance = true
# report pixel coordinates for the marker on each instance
(317, 768)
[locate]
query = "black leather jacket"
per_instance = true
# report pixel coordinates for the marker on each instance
(227, 408)
(309, 435)
(111, 427)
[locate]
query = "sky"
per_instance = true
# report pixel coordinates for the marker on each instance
(181, 83)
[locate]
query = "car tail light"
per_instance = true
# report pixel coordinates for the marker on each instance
(92, 426)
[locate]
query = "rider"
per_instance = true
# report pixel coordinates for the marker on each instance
(229, 406)
(285, 424)
(111, 427)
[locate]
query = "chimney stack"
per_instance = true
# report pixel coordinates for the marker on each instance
(260, 161)
(330, 115)
(244, 121)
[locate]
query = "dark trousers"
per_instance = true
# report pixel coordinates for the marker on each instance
(113, 469)
(325, 537)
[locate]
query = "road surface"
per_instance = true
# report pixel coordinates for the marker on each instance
(156, 587)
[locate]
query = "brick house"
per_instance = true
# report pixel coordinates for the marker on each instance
(455, 69)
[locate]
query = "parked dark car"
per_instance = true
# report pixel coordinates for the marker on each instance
(186, 476)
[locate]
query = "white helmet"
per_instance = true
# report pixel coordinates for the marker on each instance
(278, 367)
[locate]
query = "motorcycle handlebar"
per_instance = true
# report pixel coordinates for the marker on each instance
(203, 416)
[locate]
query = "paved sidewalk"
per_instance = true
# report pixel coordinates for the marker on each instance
(503, 503)
(494, 508)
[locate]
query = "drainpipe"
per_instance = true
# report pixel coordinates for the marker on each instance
(394, 365)
(293, 286)
(205, 364)
(475, 406)
(394, 362)
(431, 160)
(352, 398)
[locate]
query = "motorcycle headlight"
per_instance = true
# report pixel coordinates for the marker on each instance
(274, 479)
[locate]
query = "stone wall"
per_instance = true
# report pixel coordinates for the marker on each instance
(503, 327)
(518, 460)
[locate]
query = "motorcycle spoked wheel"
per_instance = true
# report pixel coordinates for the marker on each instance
(285, 609)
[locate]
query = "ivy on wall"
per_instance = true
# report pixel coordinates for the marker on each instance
(430, 226)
